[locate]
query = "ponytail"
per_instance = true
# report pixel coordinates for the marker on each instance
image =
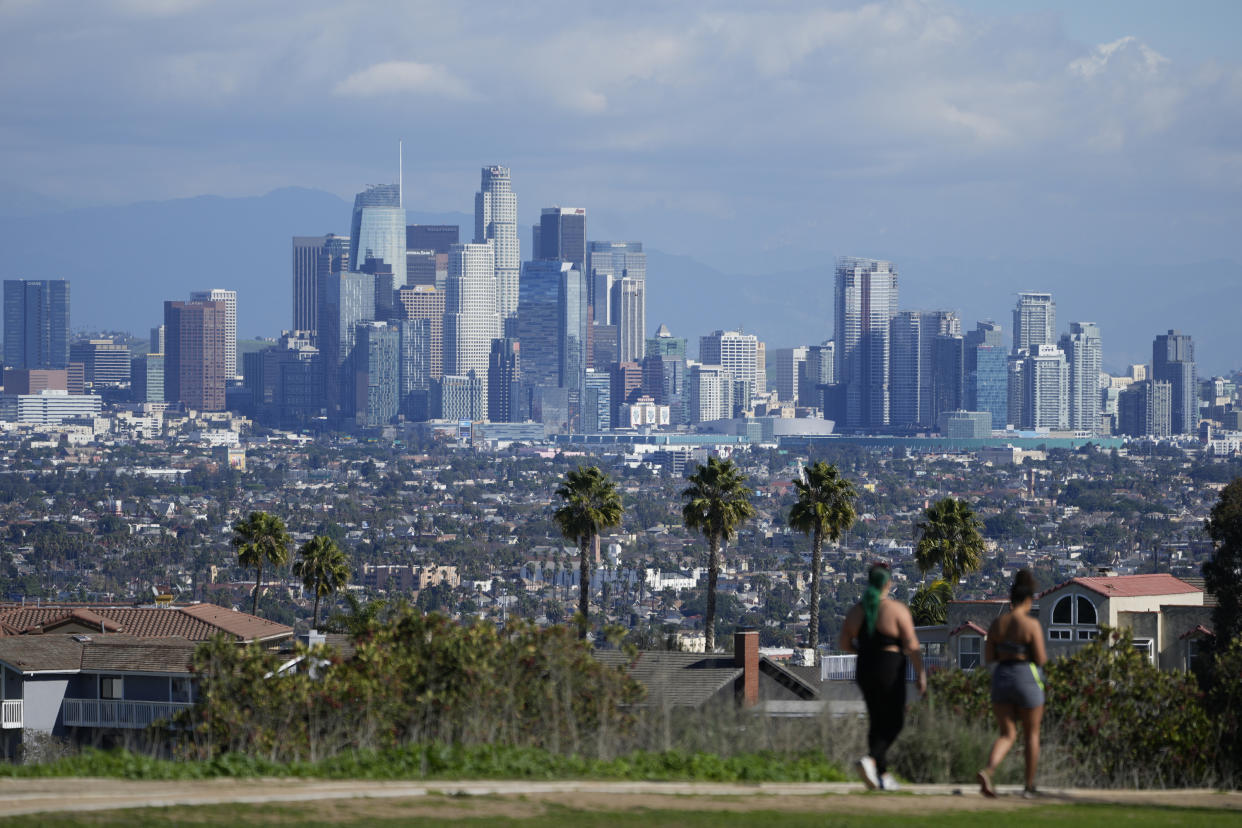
(877, 579)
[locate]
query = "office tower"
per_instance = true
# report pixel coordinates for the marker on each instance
(105, 362)
(439, 238)
(906, 369)
(1145, 409)
(737, 353)
(332, 259)
(936, 324)
(1034, 322)
(607, 262)
(495, 221)
(156, 345)
(789, 367)
(626, 382)
(36, 323)
(146, 379)
(345, 299)
(415, 369)
(665, 344)
(604, 347)
(286, 381)
(709, 392)
(460, 397)
(1083, 353)
(378, 230)
(597, 402)
(1045, 377)
(947, 375)
(986, 376)
(306, 253)
(562, 236)
(426, 302)
(194, 339)
(552, 324)
(818, 373)
(865, 302)
(1173, 361)
(504, 374)
(420, 267)
(664, 380)
(377, 377)
(761, 369)
(573, 320)
(471, 317)
(629, 309)
(229, 298)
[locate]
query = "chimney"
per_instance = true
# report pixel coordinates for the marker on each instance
(746, 656)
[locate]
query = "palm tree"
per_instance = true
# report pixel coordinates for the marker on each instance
(323, 568)
(261, 538)
(717, 503)
(592, 504)
(930, 603)
(824, 509)
(950, 537)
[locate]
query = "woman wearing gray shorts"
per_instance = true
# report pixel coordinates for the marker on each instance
(1016, 645)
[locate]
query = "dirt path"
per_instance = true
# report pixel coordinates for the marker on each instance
(527, 798)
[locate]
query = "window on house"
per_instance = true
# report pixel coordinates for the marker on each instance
(111, 687)
(1143, 645)
(1063, 612)
(968, 651)
(1088, 635)
(1194, 652)
(180, 690)
(1058, 635)
(1086, 612)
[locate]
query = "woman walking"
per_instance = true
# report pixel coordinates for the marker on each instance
(1016, 645)
(881, 631)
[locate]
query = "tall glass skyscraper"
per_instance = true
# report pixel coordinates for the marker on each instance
(562, 235)
(608, 262)
(987, 373)
(378, 230)
(345, 299)
(1173, 361)
(495, 221)
(471, 320)
(1084, 354)
(377, 364)
(865, 303)
(36, 323)
(1034, 321)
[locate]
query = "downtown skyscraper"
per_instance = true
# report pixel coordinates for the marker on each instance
(229, 298)
(1084, 355)
(495, 221)
(377, 231)
(1173, 361)
(865, 303)
(471, 317)
(36, 323)
(1034, 321)
(194, 359)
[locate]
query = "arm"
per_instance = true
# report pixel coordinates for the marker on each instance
(1038, 654)
(989, 645)
(849, 629)
(910, 643)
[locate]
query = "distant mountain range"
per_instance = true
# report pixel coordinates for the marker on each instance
(125, 261)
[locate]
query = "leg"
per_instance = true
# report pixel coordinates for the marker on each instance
(891, 705)
(1031, 719)
(1006, 719)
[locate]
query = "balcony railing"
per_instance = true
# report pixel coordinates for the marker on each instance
(132, 715)
(11, 714)
(843, 666)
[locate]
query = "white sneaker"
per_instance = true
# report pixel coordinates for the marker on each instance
(888, 783)
(866, 769)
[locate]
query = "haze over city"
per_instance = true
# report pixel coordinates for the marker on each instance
(1089, 152)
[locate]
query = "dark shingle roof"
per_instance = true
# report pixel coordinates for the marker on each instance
(69, 653)
(676, 679)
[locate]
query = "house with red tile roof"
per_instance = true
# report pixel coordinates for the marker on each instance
(193, 622)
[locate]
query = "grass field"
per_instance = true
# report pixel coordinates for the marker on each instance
(710, 813)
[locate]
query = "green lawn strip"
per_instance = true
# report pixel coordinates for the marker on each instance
(557, 816)
(450, 762)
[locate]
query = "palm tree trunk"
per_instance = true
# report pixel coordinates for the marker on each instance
(584, 585)
(709, 619)
(315, 614)
(817, 564)
(258, 582)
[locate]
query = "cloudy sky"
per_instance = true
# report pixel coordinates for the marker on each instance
(748, 135)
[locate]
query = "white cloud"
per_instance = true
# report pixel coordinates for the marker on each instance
(401, 77)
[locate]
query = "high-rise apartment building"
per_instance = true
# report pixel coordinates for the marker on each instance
(865, 303)
(495, 221)
(709, 392)
(818, 373)
(377, 230)
(229, 298)
(1084, 354)
(1034, 322)
(986, 376)
(286, 381)
(426, 302)
(596, 402)
(377, 377)
(471, 317)
(906, 369)
(415, 370)
(1045, 376)
(1145, 409)
(562, 236)
(789, 366)
(737, 353)
(460, 397)
(1173, 361)
(194, 338)
(36, 323)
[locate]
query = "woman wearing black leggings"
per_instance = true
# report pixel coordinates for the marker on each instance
(881, 631)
